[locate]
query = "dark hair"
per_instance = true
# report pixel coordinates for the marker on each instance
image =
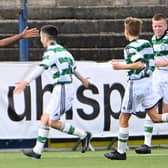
(50, 30)
(133, 25)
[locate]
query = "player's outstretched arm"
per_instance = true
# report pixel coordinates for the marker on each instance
(20, 86)
(26, 33)
(122, 66)
(29, 33)
(85, 81)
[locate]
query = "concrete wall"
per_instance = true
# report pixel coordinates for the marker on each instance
(47, 3)
(90, 29)
(97, 2)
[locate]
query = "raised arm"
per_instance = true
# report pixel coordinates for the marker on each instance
(26, 33)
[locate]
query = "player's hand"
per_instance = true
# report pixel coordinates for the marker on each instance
(116, 64)
(86, 82)
(161, 63)
(28, 33)
(20, 86)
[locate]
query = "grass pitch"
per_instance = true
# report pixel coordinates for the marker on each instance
(158, 158)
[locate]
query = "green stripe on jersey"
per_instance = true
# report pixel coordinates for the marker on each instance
(140, 49)
(160, 45)
(161, 41)
(64, 72)
(161, 53)
(45, 57)
(58, 49)
(65, 59)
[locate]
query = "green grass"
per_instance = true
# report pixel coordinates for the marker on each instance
(158, 158)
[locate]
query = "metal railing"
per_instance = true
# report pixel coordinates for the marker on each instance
(23, 43)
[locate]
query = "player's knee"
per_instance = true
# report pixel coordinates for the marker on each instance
(156, 119)
(55, 124)
(45, 119)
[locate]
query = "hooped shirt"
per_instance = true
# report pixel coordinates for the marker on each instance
(60, 62)
(160, 47)
(140, 50)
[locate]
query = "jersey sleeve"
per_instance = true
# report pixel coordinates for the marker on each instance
(37, 71)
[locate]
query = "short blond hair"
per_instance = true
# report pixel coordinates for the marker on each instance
(133, 26)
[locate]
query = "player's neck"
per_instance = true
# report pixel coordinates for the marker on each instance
(51, 42)
(131, 38)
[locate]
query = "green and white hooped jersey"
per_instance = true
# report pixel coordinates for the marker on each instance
(60, 63)
(160, 47)
(137, 50)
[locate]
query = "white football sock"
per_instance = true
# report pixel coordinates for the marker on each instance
(148, 130)
(165, 117)
(69, 129)
(123, 139)
(41, 139)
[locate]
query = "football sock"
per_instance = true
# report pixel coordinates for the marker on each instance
(69, 129)
(123, 139)
(41, 139)
(148, 130)
(165, 117)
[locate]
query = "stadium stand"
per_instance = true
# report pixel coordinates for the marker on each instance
(91, 30)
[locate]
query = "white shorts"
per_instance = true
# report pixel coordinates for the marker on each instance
(60, 100)
(139, 96)
(160, 84)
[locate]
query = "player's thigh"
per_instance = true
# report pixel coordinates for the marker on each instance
(153, 114)
(60, 101)
(164, 107)
(164, 90)
(151, 99)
